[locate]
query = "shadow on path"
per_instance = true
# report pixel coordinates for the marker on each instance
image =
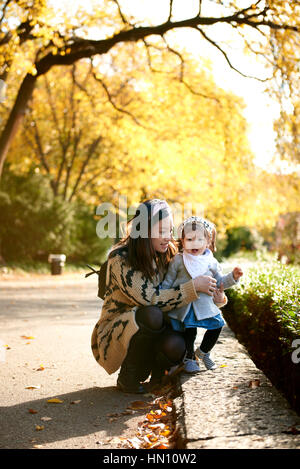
(68, 419)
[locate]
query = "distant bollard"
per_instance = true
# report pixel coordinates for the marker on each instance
(57, 261)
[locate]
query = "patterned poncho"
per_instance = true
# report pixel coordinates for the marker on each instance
(127, 290)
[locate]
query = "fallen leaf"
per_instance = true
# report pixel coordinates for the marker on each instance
(135, 442)
(254, 383)
(32, 411)
(222, 366)
(46, 419)
(33, 386)
(154, 426)
(41, 368)
(39, 427)
(166, 406)
(27, 337)
(75, 402)
(55, 401)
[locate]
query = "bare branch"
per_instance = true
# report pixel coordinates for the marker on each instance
(110, 99)
(200, 8)
(227, 59)
(120, 12)
(90, 180)
(82, 86)
(181, 75)
(4, 9)
(91, 151)
(39, 151)
(170, 11)
(148, 46)
(256, 52)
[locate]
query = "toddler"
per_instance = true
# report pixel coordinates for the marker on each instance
(197, 239)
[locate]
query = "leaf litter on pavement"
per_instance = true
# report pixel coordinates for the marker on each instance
(157, 429)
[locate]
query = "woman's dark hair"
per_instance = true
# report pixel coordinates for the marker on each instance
(140, 251)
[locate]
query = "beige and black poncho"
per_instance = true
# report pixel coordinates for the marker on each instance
(128, 289)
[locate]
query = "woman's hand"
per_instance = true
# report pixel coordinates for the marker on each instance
(205, 284)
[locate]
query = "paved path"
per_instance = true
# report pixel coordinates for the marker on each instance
(45, 326)
(59, 313)
(234, 406)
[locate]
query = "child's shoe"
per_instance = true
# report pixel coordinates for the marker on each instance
(209, 364)
(191, 366)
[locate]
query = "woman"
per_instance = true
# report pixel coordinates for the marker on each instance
(133, 331)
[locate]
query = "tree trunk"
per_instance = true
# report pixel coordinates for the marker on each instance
(16, 116)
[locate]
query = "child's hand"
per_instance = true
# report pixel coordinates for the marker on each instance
(219, 296)
(237, 273)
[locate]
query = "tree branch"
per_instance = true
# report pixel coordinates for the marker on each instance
(92, 149)
(227, 59)
(110, 99)
(200, 8)
(181, 76)
(39, 151)
(84, 48)
(122, 16)
(170, 11)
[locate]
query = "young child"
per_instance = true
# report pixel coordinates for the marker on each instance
(197, 241)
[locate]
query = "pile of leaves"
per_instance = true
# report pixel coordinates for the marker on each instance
(157, 430)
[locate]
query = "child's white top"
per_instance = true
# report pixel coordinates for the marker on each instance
(182, 268)
(197, 265)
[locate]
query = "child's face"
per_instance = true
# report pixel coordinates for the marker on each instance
(195, 242)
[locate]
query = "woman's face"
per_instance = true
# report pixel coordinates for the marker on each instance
(162, 234)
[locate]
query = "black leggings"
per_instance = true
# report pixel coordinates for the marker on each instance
(209, 340)
(167, 342)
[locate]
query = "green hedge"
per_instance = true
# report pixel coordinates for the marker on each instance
(264, 313)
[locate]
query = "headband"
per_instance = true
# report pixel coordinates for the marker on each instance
(159, 204)
(139, 224)
(198, 221)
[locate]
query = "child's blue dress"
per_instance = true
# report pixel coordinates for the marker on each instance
(191, 321)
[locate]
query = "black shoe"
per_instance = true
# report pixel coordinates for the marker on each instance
(159, 377)
(138, 362)
(134, 388)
